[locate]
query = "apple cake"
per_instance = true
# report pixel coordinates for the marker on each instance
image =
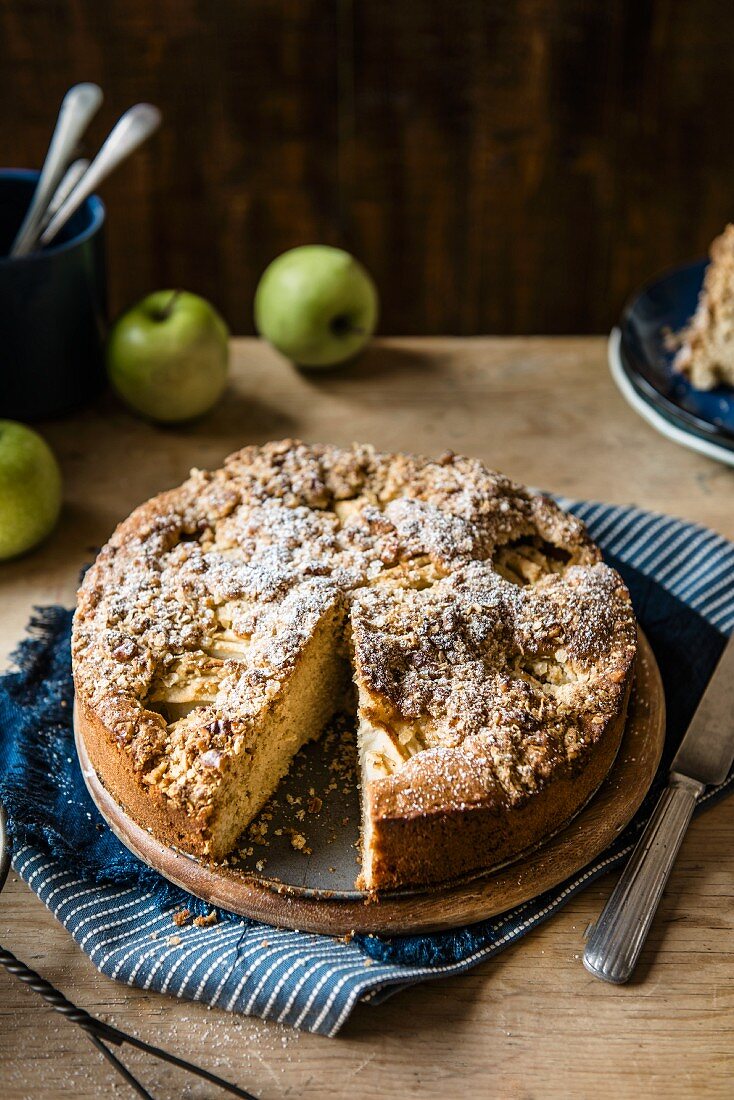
(469, 622)
(706, 347)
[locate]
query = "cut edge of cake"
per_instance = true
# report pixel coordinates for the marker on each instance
(300, 710)
(402, 843)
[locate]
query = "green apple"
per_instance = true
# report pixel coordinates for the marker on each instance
(30, 489)
(317, 305)
(167, 356)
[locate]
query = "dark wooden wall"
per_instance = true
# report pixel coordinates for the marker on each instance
(500, 165)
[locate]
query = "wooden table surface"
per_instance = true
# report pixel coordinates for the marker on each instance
(530, 1023)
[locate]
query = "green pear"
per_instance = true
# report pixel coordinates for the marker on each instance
(30, 489)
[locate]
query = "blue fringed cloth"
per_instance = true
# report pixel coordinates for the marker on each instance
(119, 911)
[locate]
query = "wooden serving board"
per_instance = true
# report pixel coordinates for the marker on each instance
(314, 892)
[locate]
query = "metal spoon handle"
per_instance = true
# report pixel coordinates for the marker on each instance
(69, 180)
(77, 108)
(131, 130)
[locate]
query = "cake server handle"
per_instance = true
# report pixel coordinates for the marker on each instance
(614, 943)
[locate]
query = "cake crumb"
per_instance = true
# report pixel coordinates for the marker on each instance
(462, 601)
(207, 921)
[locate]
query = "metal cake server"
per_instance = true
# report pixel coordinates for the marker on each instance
(703, 759)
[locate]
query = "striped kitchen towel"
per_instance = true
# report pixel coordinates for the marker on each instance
(120, 912)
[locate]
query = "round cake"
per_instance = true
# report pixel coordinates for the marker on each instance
(468, 623)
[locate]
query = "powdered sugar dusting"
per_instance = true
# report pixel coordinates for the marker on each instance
(480, 618)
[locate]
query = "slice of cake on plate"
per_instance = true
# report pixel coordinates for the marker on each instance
(706, 351)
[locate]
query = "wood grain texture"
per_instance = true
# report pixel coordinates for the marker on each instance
(592, 830)
(530, 1024)
(500, 166)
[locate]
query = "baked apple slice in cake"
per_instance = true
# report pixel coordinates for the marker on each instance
(221, 626)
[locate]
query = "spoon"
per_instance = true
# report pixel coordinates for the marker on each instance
(69, 180)
(130, 131)
(77, 108)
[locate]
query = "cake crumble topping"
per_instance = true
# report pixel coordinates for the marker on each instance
(488, 640)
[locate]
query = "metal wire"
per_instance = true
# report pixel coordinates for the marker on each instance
(121, 1068)
(97, 1031)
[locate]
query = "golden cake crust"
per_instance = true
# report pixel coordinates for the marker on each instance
(511, 700)
(489, 644)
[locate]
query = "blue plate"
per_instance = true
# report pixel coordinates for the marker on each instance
(721, 450)
(707, 440)
(662, 307)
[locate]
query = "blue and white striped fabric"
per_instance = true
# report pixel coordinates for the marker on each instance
(691, 562)
(313, 982)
